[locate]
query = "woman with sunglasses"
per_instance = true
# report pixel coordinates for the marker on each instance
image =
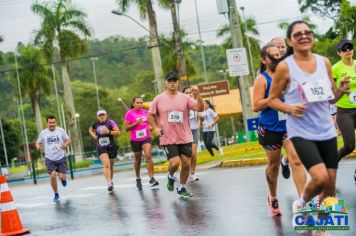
(305, 81)
(346, 106)
(137, 123)
(194, 126)
(103, 131)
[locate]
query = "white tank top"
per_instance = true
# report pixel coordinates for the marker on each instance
(317, 123)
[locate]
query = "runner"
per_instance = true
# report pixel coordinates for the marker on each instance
(136, 122)
(103, 131)
(346, 106)
(280, 43)
(305, 81)
(194, 125)
(272, 130)
(55, 141)
(171, 109)
(210, 118)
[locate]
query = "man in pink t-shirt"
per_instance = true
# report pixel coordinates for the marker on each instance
(171, 109)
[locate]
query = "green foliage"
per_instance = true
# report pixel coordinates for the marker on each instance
(324, 8)
(12, 140)
(346, 22)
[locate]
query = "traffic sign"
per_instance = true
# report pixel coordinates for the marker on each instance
(252, 124)
(237, 62)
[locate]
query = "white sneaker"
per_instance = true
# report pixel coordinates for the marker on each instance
(221, 152)
(193, 178)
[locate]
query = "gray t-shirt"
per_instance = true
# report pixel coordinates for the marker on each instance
(52, 142)
(208, 118)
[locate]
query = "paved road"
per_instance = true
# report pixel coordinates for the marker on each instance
(226, 202)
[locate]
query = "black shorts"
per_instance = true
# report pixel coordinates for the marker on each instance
(312, 153)
(110, 150)
(137, 145)
(174, 150)
(271, 140)
(59, 166)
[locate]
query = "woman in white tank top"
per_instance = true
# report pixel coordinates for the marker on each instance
(306, 82)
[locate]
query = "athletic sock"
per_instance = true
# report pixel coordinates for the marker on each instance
(180, 186)
(170, 176)
(284, 162)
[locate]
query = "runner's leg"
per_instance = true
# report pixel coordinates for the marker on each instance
(147, 150)
(104, 157)
(298, 172)
(137, 164)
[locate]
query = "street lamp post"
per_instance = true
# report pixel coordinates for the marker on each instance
(248, 42)
(123, 103)
(93, 59)
(57, 97)
(201, 43)
(27, 151)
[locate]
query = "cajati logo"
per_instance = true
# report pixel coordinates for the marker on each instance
(330, 214)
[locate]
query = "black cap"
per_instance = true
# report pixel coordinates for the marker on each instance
(172, 76)
(342, 43)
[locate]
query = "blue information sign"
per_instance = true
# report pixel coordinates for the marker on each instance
(252, 124)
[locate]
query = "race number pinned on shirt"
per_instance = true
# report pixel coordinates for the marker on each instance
(318, 91)
(55, 148)
(141, 133)
(282, 116)
(352, 97)
(104, 141)
(175, 117)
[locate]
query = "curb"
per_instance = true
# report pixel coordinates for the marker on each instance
(237, 163)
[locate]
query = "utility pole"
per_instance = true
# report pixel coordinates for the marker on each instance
(243, 81)
(93, 59)
(201, 43)
(182, 69)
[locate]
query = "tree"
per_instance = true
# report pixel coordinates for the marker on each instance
(170, 56)
(60, 26)
(34, 78)
(346, 23)
(12, 140)
(146, 9)
(323, 8)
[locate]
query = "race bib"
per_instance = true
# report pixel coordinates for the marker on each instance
(141, 133)
(175, 117)
(352, 97)
(282, 116)
(104, 141)
(54, 148)
(318, 91)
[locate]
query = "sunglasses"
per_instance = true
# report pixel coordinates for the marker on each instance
(299, 35)
(346, 47)
(172, 80)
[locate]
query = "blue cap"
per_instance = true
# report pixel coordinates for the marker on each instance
(342, 43)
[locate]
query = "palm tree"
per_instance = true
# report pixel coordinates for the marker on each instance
(35, 80)
(146, 10)
(60, 26)
(170, 56)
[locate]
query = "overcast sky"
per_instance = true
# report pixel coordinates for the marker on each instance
(17, 21)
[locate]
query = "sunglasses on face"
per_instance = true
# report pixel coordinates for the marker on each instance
(299, 35)
(346, 47)
(172, 80)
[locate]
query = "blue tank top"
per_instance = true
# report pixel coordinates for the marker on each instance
(270, 118)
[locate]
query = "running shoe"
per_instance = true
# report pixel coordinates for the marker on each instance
(184, 193)
(170, 184)
(220, 151)
(285, 170)
(64, 183)
(138, 184)
(273, 206)
(56, 197)
(193, 178)
(110, 187)
(153, 182)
